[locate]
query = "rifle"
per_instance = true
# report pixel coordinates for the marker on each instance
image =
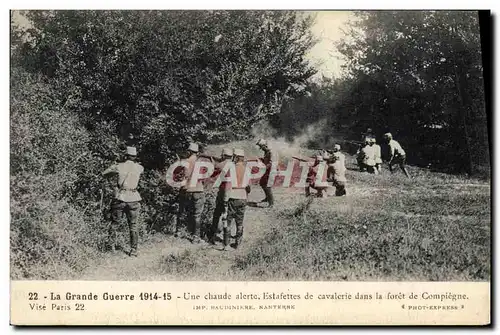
(299, 159)
(303, 159)
(217, 159)
(253, 159)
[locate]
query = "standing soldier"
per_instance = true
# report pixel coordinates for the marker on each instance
(336, 173)
(396, 154)
(267, 160)
(378, 154)
(236, 201)
(312, 176)
(227, 156)
(126, 199)
(192, 198)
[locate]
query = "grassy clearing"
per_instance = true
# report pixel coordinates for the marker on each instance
(387, 228)
(432, 227)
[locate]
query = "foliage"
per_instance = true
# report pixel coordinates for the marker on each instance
(417, 74)
(200, 72)
(82, 81)
(378, 232)
(54, 220)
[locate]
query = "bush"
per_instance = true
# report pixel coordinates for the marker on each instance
(55, 223)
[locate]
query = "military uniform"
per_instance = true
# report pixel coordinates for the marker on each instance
(336, 173)
(236, 203)
(221, 194)
(192, 198)
(267, 161)
(126, 199)
(396, 154)
(378, 155)
(368, 157)
(312, 177)
(339, 155)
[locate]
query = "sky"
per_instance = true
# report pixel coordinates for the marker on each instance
(327, 29)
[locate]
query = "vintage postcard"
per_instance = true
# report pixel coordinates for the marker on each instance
(250, 167)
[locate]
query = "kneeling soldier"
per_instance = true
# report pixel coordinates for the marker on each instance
(127, 199)
(378, 154)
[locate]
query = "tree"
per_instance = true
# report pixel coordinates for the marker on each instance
(419, 75)
(200, 75)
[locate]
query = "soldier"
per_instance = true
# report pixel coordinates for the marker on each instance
(360, 157)
(131, 141)
(192, 198)
(227, 156)
(368, 157)
(340, 155)
(396, 154)
(367, 135)
(267, 160)
(336, 174)
(126, 199)
(378, 154)
(312, 176)
(236, 201)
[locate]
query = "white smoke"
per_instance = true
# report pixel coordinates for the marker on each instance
(285, 149)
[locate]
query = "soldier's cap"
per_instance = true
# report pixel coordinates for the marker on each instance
(239, 152)
(388, 135)
(193, 147)
(227, 152)
(131, 151)
(336, 147)
(261, 142)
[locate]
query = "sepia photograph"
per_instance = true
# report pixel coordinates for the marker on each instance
(249, 145)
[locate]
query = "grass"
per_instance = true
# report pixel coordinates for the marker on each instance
(433, 227)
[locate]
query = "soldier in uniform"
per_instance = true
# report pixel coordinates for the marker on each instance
(367, 135)
(227, 156)
(267, 160)
(336, 174)
(236, 201)
(360, 157)
(340, 155)
(396, 154)
(312, 176)
(378, 154)
(126, 199)
(368, 157)
(192, 198)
